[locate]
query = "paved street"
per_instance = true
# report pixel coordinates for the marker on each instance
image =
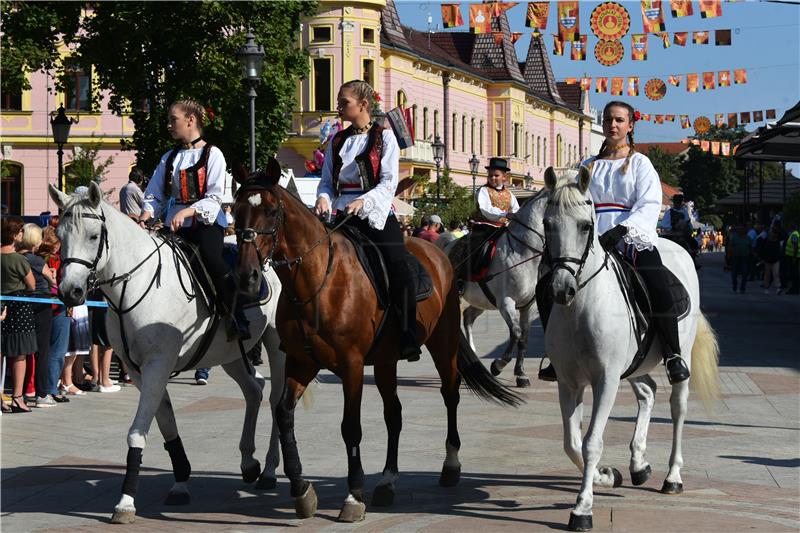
(62, 468)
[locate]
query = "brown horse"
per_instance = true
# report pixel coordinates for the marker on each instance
(328, 316)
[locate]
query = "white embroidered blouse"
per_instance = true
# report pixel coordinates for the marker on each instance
(491, 212)
(209, 207)
(378, 200)
(632, 199)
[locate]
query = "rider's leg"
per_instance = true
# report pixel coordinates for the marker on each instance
(654, 273)
(544, 302)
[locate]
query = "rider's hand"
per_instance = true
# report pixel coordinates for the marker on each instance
(610, 238)
(504, 221)
(322, 207)
(180, 216)
(354, 207)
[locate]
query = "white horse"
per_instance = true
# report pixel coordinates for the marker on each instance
(592, 343)
(156, 328)
(511, 283)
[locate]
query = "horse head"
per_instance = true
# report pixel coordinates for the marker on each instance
(569, 223)
(84, 241)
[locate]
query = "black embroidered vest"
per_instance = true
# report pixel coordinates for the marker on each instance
(192, 180)
(368, 161)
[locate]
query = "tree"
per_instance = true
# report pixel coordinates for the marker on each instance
(456, 202)
(667, 165)
(791, 211)
(85, 168)
(705, 177)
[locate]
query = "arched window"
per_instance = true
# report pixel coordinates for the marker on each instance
(463, 133)
(436, 123)
(453, 125)
(424, 123)
(527, 152)
(472, 136)
(538, 151)
(559, 151)
(11, 186)
(544, 152)
(480, 140)
(402, 100)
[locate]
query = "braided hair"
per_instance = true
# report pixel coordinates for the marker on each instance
(604, 149)
(361, 90)
(192, 108)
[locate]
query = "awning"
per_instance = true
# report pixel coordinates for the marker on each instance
(403, 209)
(774, 142)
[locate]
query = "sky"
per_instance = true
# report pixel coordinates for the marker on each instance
(765, 40)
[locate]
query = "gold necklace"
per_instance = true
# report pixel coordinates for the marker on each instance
(362, 130)
(617, 147)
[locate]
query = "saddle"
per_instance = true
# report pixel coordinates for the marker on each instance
(473, 253)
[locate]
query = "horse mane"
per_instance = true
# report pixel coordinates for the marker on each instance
(566, 194)
(77, 206)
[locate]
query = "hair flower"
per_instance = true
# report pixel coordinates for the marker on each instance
(636, 116)
(210, 115)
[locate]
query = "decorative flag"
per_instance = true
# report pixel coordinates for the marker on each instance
(568, 22)
(715, 147)
(608, 53)
(610, 21)
(659, 119)
(722, 37)
(758, 116)
(691, 83)
(708, 81)
(639, 46)
(616, 86)
(498, 37)
(537, 15)
(681, 8)
(578, 49)
(732, 120)
(586, 84)
(601, 85)
(655, 89)
(646, 118)
(770, 114)
(719, 120)
(515, 36)
(710, 9)
(739, 76)
(652, 17)
(675, 79)
(695, 142)
(744, 117)
(669, 118)
(570, 81)
(498, 8)
(633, 86)
(451, 15)
(700, 37)
(558, 45)
(725, 148)
(681, 37)
(705, 145)
(665, 39)
(724, 78)
(685, 120)
(480, 20)
(702, 125)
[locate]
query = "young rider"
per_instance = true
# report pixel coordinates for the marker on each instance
(188, 184)
(360, 177)
(626, 191)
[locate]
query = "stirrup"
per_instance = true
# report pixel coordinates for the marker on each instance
(548, 373)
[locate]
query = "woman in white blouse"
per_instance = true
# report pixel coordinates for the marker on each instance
(359, 177)
(626, 191)
(187, 187)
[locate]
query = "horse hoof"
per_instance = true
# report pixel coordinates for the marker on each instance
(523, 381)
(266, 483)
(639, 478)
(450, 476)
(494, 369)
(123, 517)
(579, 522)
(617, 478)
(671, 487)
(383, 496)
(306, 505)
(251, 473)
(352, 511)
(178, 498)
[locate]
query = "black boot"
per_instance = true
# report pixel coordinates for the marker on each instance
(677, 370)
(237, 327)
(404, 301)
(544, 302)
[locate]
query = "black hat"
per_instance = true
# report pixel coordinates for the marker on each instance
(498, 163)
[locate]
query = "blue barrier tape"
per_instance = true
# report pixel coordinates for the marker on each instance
(89, 303)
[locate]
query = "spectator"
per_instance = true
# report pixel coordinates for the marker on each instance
(770, 251)
(50, 250)
(739, 250)
(101, 351)
(201, 376)
(131, 197)
(79, 345)
(792, 253)
(453, 233)
(430, 232)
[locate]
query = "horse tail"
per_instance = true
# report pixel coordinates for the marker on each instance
(308, 396)
(479, 380)
(705, 361)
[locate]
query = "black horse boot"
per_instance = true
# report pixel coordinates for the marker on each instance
(404, 301)
(677, 370)
(237, 327)
(544, 302)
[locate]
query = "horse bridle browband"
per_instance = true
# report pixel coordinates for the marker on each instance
(103, 244)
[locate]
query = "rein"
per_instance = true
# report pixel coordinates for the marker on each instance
(536, 252)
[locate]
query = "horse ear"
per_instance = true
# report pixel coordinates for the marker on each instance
(95, 194)
(59, 198)
(584, 178)
(273, 171)
(550, 178)
(239, 172)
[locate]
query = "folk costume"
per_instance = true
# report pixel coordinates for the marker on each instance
(195, 177)
(365, 165)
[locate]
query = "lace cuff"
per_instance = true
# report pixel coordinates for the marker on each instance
(637, 238)
(207, 209)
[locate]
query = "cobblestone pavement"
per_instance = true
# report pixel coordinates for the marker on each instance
(62, 468)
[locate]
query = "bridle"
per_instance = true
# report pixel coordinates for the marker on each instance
(92, 281)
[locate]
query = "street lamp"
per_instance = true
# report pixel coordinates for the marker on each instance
(438, 155)
(251, 58)
(378, 116)
(473, 167)
(61, 125)
(528, 180)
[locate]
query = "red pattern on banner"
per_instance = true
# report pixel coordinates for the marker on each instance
(710, 8)
(680, 38)
(601, 85)
(616, 86)
(451, 15)
(537, 15)
(724, 78)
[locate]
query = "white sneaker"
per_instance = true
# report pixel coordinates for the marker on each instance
(112, 388)
(202, 381)
(47, 401)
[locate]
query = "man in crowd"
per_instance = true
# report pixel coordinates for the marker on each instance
(430, 231)
(131, 196)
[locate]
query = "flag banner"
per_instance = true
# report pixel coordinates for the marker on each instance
(710, 8)
(397, 120)
(680, 38)
(609, 53)
(702, 125)
(724, 78)
(646, 118)
(708, 81)
(537, 15)
(451, 15)
(700, 37)
(578, 49)
(675, 80)
(758, 116)
(685, 122)
(498, 8)
(652, 17)
(695, 142)
(568, 22)
(684, 141)
(616, 86)
(739, 76)
(722, 37)
(610, 21)
(732, 120)
(691, 83)
(601, 85)
(633, 86)
(681, 8)
(669, 118)
(480, 20)
(586, 84)
(725, 148)
(498, 37)
(515, 36)
(744, 117)
(705, 145)
(659, 119)
(719, 120)
(558, 46)
(715, 147)
(665, 39)
(639, 46)
(655, 89)
(770, 114)
(570, 81)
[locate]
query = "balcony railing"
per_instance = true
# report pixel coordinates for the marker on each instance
(421, 152)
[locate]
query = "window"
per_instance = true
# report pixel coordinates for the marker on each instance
(538, 151)
(402, 100)
(472, 136)
(77, 88)
(480, 140)
(368, 35)
(424, 123)
(453, 125)
(368, 71)
(498, 137)
(9, 100)
(527, 153)
(559, 150)
(11, 174)
(414, 121)
(463, 133)
(322, 85)
(544, 152)
(516, 140)
(321, 34)
(436, 123)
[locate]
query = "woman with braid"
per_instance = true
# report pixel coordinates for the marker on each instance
(626, 191)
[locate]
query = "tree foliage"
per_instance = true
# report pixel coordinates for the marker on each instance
(85, 167)
(706, 178)
(456, 202)
(667, 165)
(791, 211)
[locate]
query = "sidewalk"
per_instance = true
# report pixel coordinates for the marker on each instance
(62, 467)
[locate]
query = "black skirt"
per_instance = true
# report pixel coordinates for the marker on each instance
(18, 330)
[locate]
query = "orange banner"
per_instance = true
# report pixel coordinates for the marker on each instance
(639, 46)
(708, 81)
(586, 84)
(498, 8)
(616, 86)
(681, 37)
(633, 86)
(675, 79)
(700, 37)
(480, 20)
(715, 147)
(740, 76)
(770, 114)
(724, 78)
(515, 36)
(652, 16)
(664, 36)
(691, 83)
(568, 22)
(537, 15)
(451, 15)
(758, 116)
(578, 50)
(732, 120)
(669, 118)
(710, 8)
(659, 119)
(744, 117)
(646, 118)
(681, 8)
(601, 85)
(705, 146)
(685, 123)
(725, 148)
(719, 120)
(571, 81)
(558, 46)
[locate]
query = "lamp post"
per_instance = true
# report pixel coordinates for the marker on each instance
(438, 155)
(378, 116)
(473, 167)
(528, 180)
(251, 57)
(61, 125)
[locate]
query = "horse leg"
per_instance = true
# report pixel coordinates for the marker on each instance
(181, 469)
(277, 363)
(524, 322)
(353, 509)
(386, 380)
(471, 314)
(678, 400)
(508, 311)
(571, 402)
(251, 390)
(298, 376)
(645, 390)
